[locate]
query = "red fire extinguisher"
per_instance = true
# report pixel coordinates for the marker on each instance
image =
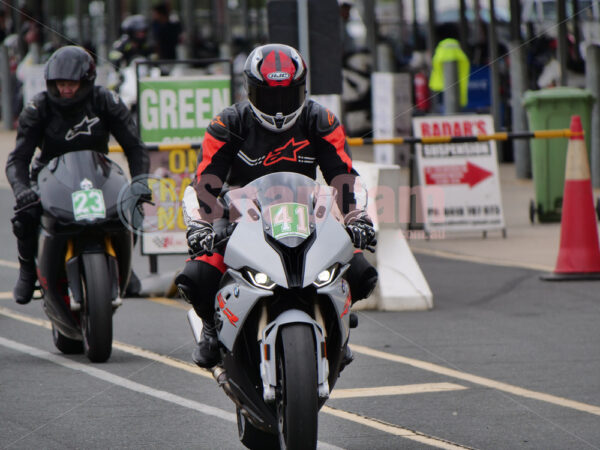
(422, 100)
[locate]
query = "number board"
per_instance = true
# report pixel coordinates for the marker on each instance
(88, 204)
(289, 219)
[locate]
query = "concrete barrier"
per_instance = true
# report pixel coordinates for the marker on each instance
(402, 285)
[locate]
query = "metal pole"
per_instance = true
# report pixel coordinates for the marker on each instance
(188, 26)
(451, 88)
(79, 15)
(432, 41)
(6, 88)
(495, 75)
(113, 22)
(562, 40)
(303, 36)
(464, 25)
(518, 84)
(592, 82)
(370, 23)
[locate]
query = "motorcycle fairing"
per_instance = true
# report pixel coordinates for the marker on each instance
(247, 247)
(77, 171)
(332, 245)
(268, 355)
(233, 304)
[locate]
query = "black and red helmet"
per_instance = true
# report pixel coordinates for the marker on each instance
(275, 79)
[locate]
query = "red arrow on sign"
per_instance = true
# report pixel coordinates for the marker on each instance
(468, 173)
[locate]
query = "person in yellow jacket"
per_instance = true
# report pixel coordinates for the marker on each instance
(448, 49)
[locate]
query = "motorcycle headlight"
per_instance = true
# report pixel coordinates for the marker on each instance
(326, 276)
(260, 279)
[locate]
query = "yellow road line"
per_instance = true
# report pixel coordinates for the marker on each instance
(396, 390)
(392, 429)
(430, 367)
(11, 264)
(475, 379)
(170, 302)
(6, 295)
(132, 349)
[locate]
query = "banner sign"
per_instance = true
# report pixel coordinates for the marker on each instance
(459, 185)
(180, 109)
(175, 109)
(170, 173)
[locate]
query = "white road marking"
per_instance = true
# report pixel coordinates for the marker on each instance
(396, 390)
(6, 296)
(128, 384)
(475, 379)
(117, 380)
(196, 370)
(392, 429)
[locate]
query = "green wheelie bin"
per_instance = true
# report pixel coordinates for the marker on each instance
(549, 109)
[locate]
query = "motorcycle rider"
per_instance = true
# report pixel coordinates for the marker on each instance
(276, 129)
(72, 114)
(133, 43)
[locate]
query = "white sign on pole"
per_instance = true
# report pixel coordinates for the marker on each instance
(391, 107)
(459, 185)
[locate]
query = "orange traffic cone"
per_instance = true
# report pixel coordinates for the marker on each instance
(579, 253)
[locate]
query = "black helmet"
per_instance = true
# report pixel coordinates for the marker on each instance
(70, 63)
(134, 24)
(275, 79)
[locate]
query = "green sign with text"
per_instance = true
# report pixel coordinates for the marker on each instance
(180, 109)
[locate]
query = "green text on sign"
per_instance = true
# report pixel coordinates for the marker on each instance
(174, 109)
(289, 219)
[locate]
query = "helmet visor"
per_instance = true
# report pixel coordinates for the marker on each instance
(271, 100)
(65, 69)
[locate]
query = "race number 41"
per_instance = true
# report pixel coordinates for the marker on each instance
(289, 219)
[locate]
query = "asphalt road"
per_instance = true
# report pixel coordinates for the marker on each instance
(503, 361)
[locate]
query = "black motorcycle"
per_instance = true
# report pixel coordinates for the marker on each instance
(85, 248)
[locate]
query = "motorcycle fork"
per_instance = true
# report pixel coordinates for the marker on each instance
(73, 269)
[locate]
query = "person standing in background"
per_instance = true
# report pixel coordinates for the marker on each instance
(165, 32)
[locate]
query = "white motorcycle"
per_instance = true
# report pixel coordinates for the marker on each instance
(283, 308)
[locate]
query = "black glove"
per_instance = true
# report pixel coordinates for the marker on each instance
(25, 198)
(200, 237)
(362, 233)
(140, 189)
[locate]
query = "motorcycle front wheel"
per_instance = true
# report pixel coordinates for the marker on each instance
(96, 314)
(297, 401)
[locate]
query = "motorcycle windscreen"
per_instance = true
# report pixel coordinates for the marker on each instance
(71, 168)
(286, 201)
(80, 186)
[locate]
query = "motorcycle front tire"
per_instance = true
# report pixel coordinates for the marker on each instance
(96, 314)
(297, 403)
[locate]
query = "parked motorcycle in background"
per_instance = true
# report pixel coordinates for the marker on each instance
(85, 245)
(283, 308)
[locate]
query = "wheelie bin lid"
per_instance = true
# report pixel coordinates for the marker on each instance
(556, 93)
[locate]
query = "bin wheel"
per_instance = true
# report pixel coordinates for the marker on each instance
(532, 211)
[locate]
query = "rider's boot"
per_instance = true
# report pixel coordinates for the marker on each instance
(207, 354)
(25, 286)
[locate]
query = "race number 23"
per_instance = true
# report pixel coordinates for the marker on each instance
(289, 219)
(88, 204)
